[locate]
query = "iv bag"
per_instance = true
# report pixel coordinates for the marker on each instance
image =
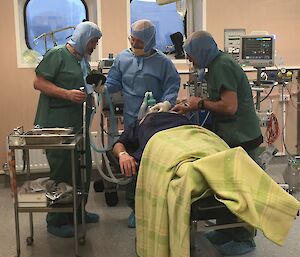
(181, 8)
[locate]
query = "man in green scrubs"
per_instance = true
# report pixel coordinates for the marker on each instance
(59, 77)
(231, 104)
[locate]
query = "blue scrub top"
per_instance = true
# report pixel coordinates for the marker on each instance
(136, 75)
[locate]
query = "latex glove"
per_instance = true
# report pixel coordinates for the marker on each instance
(161, 107)
(100, 89)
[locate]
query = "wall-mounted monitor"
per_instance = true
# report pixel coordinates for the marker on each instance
(257, 50)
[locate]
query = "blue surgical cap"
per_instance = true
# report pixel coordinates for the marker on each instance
(145, 31)
(83, 33)
(202, 48)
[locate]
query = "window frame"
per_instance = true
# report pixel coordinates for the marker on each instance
(25, 19)
(93, 8)
(194, 23)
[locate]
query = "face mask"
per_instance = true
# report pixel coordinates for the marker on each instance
(138, 52)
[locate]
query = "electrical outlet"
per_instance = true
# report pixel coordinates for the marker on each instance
(284, 98)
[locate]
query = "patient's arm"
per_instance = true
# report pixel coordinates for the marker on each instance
(127, 163)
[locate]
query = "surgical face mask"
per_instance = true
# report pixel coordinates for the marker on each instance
(137, 46)
(137, 51)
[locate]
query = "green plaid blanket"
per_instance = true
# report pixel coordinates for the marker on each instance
(173, 173)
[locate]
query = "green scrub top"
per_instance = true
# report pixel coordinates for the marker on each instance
(61, 68)
(225, 74)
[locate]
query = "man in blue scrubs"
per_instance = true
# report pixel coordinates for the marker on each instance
(138, 70)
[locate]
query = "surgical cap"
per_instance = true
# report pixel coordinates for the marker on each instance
(201, 47)
(83, 33)
(145, 31)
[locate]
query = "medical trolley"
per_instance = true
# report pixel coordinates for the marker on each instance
(53, 140)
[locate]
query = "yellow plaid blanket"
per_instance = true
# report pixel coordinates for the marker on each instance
(173, 174)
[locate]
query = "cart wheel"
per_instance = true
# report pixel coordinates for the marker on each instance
(99, 185)
(29, 240)
(111, 198)
(81, 240)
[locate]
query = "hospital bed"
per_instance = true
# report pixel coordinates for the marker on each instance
(204, 213)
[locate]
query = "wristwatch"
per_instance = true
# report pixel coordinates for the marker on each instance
(201, 104)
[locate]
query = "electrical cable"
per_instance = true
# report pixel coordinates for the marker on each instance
(267, 95)
(272, 131)
(205, 119)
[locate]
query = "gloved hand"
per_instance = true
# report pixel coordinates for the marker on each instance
(100, 88)
(161, 107)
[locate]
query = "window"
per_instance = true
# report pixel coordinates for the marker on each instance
(50, 15)
(51, 22)
(165, 18)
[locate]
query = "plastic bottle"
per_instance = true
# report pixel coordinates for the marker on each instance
(144, 106)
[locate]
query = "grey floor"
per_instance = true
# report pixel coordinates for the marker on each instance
(111, 237)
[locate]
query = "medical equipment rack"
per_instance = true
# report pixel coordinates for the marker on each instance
(71, 142)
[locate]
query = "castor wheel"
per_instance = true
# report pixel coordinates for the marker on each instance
(111, 198)
(99, 185)
(81, 240)
(29, 240)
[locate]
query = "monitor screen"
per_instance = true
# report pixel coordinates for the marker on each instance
(257, 51)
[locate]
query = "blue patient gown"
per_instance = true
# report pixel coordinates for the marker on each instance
(136, 75)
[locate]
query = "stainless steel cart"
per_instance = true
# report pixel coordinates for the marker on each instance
(69, 142)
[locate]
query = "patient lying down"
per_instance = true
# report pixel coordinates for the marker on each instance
(180, 162)
(130, 146)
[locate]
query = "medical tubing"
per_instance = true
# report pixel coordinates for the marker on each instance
(267, 95)
(94, 111)
(92, 143)
(96, 150)
(113, 134)
(205, 119)
(112, 113)
(111, 178)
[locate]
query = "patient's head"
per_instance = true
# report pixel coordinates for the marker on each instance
(157, 112)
